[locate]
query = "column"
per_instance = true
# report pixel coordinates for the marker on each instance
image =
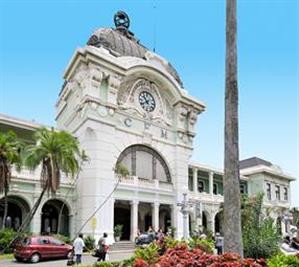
(155, 216)
(195, 190)
(212, 223)
(134, 219)
(211, 182)
(36, 221)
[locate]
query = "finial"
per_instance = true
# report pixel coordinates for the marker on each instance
(121, 20)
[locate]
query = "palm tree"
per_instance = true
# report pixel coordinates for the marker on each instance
(10, 154)
(55, 152)
(232, 205)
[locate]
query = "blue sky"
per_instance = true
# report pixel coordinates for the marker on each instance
(37, 39)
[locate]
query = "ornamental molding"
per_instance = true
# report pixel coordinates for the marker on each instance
(128, 100)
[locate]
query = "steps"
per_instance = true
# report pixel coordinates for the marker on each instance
(122, 246)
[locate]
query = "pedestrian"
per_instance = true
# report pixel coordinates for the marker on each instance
(219, 243)
(102, 247)
(78, 246)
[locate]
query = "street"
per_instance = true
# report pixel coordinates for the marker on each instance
(87, 259)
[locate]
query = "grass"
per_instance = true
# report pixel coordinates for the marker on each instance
(6, 256)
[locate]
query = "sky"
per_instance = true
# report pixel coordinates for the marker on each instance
(38, 38)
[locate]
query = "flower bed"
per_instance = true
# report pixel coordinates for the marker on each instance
(181, 256)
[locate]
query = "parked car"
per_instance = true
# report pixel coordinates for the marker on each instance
(144, 239)
(35, 248)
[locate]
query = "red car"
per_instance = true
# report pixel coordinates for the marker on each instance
(35, 248)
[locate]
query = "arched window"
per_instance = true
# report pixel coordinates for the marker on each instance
(144, 162)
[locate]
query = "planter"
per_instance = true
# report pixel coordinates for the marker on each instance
(117, 238)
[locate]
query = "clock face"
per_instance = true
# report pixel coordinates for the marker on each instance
(147, 101)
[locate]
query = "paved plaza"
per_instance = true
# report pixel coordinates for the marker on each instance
(87, 259)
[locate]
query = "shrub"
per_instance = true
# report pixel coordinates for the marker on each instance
(183, 257)
(206, 245)
(149, 254)
(65, 239)
(7, 236)
(89, 242)
(118, 230)
(260, 235)
(281, 260)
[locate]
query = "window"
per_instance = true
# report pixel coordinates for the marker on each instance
(215, 189)
(277, 192)
(285, 193)
(242, 189)
(56, 242)
(144, 162)
(43, 241)
(200, 186)
(268, 190)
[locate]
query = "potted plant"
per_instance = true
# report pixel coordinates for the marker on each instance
(118, 230)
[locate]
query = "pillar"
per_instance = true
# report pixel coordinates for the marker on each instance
(195, 181)
(134, 219)
(211, 182)
(155, 216)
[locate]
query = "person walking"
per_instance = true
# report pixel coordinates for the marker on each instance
(102, 247)
(78, 246)
(219, 243)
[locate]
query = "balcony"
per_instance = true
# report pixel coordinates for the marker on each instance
(138, 182)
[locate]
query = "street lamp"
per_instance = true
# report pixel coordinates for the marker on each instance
(185, 207)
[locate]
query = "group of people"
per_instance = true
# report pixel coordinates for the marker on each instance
(100, 252)
(290, 245)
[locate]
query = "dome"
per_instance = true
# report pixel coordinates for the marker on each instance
(121, 42)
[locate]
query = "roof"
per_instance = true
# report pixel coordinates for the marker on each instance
(121, 43)
(254, 161)
(257, 165)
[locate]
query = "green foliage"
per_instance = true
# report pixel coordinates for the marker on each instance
(281, 260)
(171, 231)
(260, 235)
(89, 242)
(56, 152)
(6, 237)
(149, 254)
(207, 245)
(118, 230)
(65, 239)
(170, 242)
(121, 169)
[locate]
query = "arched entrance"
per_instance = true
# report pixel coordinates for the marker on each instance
(55, 217)
(219, 222)
(204, 222)
(18, 208)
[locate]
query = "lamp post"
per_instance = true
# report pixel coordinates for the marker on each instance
(185, 205)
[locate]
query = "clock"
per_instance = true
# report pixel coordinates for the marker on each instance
(147, 101)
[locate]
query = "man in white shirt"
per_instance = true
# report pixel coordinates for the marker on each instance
(78, 248)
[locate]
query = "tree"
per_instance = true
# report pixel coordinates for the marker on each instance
(10, 154)
(55, 152)
(232, 216)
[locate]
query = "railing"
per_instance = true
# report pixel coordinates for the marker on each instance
(205, 196)
(145, 183)
(25, 173)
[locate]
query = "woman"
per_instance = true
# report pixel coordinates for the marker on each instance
(102, 248)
